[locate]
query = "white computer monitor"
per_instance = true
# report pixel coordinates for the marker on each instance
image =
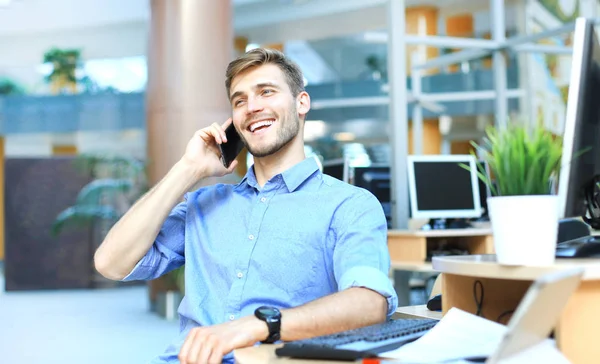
(440, 188)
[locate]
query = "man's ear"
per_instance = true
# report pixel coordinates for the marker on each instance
(303, 104)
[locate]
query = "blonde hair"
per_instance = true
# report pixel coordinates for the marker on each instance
(261, 56)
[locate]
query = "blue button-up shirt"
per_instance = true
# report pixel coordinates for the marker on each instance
(304, 235)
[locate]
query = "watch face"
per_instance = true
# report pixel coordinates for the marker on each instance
(269, 311)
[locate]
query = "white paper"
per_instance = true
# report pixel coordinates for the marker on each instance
(544, 352)
(459, 335)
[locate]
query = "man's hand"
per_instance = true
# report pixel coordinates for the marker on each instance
(209, 344)
(202, 152)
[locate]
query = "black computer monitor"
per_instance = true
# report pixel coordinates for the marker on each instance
(484, 193)
(336, 168)
(580, 165)
(442, 191)
(377, 180)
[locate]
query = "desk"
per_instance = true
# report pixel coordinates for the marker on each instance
(578, 328)
(417, 312)
(265, 354)
(408, 251)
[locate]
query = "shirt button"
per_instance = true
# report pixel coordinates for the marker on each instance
(240, 274)
(251, 237)
(231, 317)
(263, 199)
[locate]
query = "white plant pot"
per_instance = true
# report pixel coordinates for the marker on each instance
(525, 229)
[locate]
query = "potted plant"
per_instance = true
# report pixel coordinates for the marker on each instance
(64, 68)
(10, 87)
(525, 163)
(117, 182)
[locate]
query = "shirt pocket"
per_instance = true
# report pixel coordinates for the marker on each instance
(287, 264)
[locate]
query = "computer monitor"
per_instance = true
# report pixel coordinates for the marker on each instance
(376, 179)
(484, 192)
(580, 165)
(440, 188)
(336, 168)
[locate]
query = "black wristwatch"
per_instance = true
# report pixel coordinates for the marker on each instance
(272, 316)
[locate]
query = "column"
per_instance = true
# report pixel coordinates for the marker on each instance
(421, 20)
(239, 45)
(461, 25)
(190, 45)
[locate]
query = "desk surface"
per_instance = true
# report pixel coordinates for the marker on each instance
(447, 233)
(418, 312)
(485, 266)
(412, 266)
(265, 354)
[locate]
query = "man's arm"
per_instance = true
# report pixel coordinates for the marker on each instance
(134, 234)
(349, 309)
(346, 310)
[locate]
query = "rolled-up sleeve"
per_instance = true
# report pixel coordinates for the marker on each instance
(167, 252)
(361, 257)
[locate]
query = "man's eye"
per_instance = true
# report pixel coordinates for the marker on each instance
(267, 91)
(238, 102)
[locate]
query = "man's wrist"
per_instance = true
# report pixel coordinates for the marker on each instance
(192, 172)
(258, 328)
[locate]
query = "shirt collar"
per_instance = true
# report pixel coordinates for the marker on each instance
(299, 173)
(292, 177)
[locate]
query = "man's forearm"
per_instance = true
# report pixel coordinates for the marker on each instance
(345, 310)
(133, 235)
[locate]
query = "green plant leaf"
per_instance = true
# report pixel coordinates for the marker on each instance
(91, 193)
(523, 160)
(82, 215)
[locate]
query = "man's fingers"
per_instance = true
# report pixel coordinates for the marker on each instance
(217, 132)
(195, 350)
(216, 355)
(221, 131)
(187, 346)
(227, 123)
(207, 346)
(232, 166)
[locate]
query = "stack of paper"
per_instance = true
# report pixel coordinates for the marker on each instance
(461, 336)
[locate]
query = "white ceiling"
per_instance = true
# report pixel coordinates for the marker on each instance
(35, 16)
(32, 16)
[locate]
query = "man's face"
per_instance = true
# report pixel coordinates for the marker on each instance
(264, 111)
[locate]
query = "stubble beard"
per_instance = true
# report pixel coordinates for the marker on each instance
(287, 131)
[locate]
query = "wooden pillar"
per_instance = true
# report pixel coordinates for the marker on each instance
(421, 20)
(190, 45)
(276, 46)
(432, 138)
(239, 45)
(461, 25)
(64, 149)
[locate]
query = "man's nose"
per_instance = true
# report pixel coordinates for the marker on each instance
(254, 105)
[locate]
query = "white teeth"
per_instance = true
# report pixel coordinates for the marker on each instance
(259, 124)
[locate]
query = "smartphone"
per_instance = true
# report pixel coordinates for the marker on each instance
(233, 147)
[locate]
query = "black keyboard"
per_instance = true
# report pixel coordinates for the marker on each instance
(366, 342)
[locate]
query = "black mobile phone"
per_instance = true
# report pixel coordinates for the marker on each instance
(233, 147)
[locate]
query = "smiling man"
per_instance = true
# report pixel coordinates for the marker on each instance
(286, 254)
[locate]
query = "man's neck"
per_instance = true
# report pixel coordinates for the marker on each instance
(287, 157)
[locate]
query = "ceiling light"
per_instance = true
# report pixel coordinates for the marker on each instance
(344, 137)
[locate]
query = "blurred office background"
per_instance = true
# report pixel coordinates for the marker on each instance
(110, 91)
